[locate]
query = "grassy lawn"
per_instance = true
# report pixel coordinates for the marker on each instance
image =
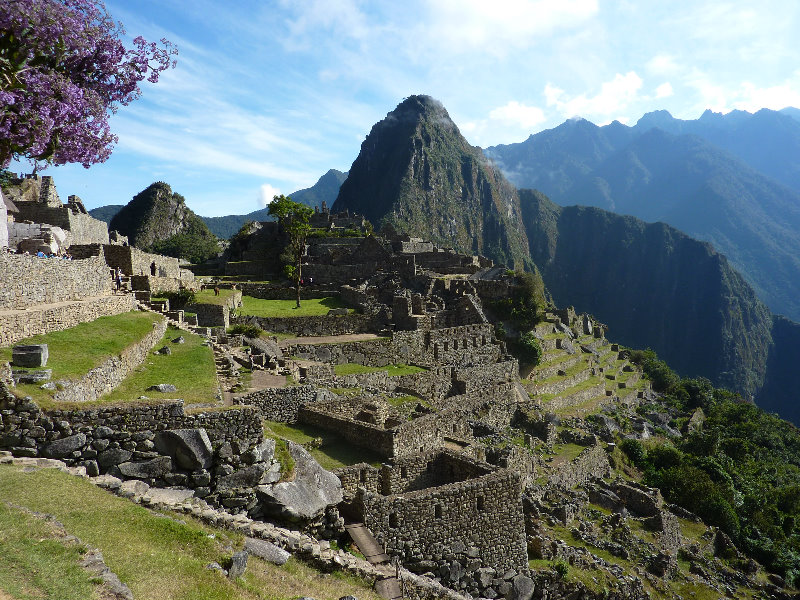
(208, 297)
(75, 351)
(312, 307)
(36, 564)
(160, 557)
(392, 370)
(334, 451)
(190, 368)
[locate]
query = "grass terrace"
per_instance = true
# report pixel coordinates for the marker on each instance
(159, 556)
(190, 368)
(207, 296)
(312, 307)
(333, 452)
(75, 351)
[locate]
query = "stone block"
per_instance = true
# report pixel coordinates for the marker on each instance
(35, 376)
(34, 355)
(65, 446)
(266, 550)
(148, 469)
(238, 565)
(191, 448)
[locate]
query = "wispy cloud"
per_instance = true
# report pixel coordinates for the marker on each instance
(613, 98)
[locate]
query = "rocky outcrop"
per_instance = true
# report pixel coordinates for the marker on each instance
(416, 171)
(305, 498)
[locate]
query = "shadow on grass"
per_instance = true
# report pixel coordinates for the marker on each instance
(334, 452)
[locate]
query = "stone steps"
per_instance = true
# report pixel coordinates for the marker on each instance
(562, 383)
(563, 362)
(572, 396)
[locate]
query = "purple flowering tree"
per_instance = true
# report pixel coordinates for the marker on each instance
(63, 71)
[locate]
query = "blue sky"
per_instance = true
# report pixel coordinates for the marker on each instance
(267, 96)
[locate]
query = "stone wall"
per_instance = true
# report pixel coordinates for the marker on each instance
(105, 378)
(26, 281)
(283, 404)
(120, 439)
(590, 464)
(216, 315)
(20, 324)
(314, 326)
(469, 532)
(81, 228)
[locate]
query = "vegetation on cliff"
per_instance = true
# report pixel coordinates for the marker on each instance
(738, 469)
(416, 171)
(653, 286)
(158, 220)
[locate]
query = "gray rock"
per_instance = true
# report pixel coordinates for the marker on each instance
(36, 376)
(103, 432)
(238, 565)
(191, 448)
(248, 477)
(484, 576)
(50, 385)
(266, 550)
(522, 588)
(92, 470)
(166, 350)
(179, 340)
(133, 488)
(33, 355)
(113, 456)
(147, 469)
(305, 498)
(162, 387)
(65, 446)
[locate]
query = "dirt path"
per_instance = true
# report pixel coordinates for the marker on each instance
(328, 339)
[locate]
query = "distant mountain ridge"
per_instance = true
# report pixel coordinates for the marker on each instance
(705, 177)
(416, 172)
(324, 190)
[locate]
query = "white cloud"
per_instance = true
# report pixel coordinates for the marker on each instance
(266, 193)
(664, 90)
(614, 97)
(502, 24)
(752, 98)
(518, 114)
(663, 65)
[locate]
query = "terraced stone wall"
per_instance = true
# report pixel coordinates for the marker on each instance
(80, 228)
(26, 281)
(283, 404)
(316, 325)
(103, 379)
(20, 324)
(103, 438)
(591, 463)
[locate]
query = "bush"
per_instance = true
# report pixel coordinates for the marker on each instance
(246, 330)
(635, 451)
(561, 568)
(530, 351)
(178, 300)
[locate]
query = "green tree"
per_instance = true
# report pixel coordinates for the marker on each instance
(294, 219)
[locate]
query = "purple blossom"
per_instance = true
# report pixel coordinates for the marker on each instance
(63, 70)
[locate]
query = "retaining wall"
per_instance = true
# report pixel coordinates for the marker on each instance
(20, 324)
(26, 281)
(314, 326)
(103, 379)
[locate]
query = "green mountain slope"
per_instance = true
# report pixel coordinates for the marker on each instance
(654, 286)
(417, 172)
(706, 184)
(158, 220)
(106, 213)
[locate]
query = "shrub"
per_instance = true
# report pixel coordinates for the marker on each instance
(530, 351)
(561, 568)
(635, 451)
(178, 300)
(251, 331)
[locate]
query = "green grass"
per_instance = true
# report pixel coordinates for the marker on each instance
(36, 563)
(312, 307)
(207, 296)
(75, 351)
(158, 556)
(334, 451)
(190, 368)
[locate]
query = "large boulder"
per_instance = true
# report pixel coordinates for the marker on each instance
(65, 446)
(191, 448)
(155, 468)
(266, 550)
(305, 498)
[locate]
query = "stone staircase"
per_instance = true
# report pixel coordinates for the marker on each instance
(389, 586)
